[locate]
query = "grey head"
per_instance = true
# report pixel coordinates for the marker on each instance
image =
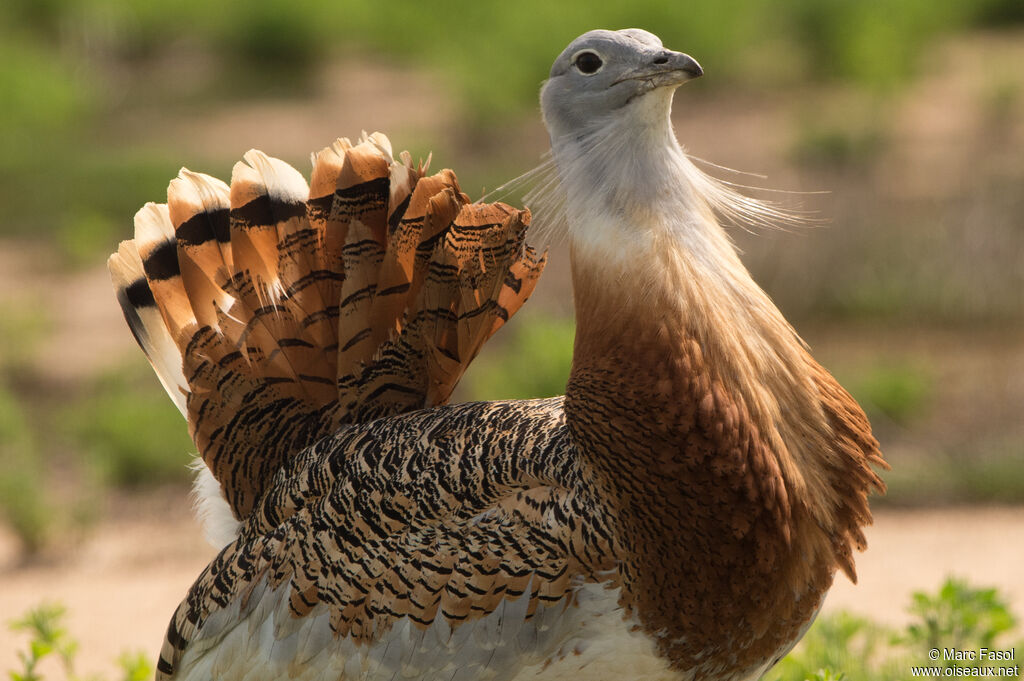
(602, 72)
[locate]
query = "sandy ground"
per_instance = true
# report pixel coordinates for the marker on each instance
(121, 584)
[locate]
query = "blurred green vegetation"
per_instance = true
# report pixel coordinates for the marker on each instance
(61, 173)
(842, 646)
(530, 360)
(897, 391)
(119, 432)
(22, 326)
(105, 423)
(944, 478)
(958, 616)
(852, 135)
(494, 54)
(23, 503)
(49, 638)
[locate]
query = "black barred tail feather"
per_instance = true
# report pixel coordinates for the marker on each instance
(274, 312)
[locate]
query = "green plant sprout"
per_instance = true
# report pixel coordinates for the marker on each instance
(957, 617)
(49, 637)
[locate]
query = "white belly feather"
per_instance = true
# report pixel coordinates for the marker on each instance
(587, 641)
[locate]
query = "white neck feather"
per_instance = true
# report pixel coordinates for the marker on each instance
(629, 187)
(642, 218)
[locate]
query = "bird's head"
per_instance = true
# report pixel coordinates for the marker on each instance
(604, 74)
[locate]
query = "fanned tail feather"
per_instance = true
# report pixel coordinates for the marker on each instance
(145, 321)
(274, 312)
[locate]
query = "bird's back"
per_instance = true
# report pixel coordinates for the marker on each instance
(460, 542)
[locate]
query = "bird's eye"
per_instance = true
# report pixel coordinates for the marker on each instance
(588, 63)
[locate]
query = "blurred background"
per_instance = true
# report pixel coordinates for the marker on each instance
(899, 123)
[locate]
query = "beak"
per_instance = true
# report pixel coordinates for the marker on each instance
(666, 69)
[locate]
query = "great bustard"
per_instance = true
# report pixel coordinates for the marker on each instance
(678, 514)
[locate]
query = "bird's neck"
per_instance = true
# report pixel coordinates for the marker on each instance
(659, 288)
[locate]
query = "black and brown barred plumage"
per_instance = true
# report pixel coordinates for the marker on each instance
(275, 313)
(679, 514)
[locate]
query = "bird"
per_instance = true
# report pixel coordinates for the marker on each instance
(680, 513)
